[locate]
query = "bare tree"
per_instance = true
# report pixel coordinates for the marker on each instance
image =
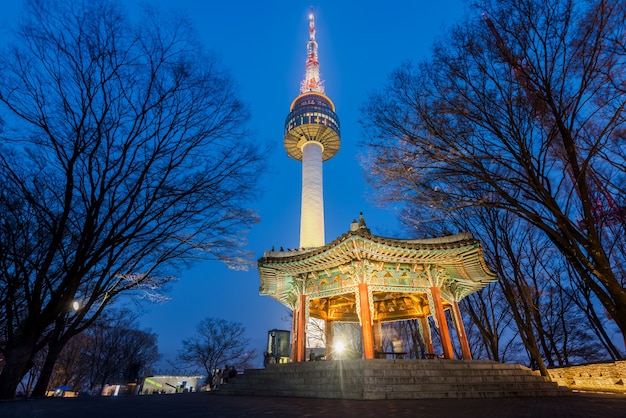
(581, 295)
(73, 364)
(348, 336)
(315, 333)
(124, 154)
(490, 316)
(532, 301)
(408, 332)
(118, 350)
(553, 329)
(217, 343)
(521, 110)
(30, 378)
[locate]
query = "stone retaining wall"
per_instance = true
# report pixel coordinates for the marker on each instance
(600, 377)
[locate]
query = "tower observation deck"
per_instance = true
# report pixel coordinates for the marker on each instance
(312, 136)
(312, 118)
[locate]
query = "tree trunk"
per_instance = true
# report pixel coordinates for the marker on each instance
(54, 349)
(487, 330)
(522, 316)
(600, 331)
(419, 347)
(17, 362)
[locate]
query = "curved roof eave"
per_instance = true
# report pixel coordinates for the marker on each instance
(361, 244)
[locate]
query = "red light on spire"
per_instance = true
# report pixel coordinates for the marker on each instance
(312, 80)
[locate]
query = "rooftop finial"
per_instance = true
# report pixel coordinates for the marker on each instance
(312, 80)
(362, 220)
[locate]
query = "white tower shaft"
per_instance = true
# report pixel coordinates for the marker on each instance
(312, 212)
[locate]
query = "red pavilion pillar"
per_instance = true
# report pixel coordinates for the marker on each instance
(301, 330)
(366, 321)
(460, 330)
(444, 332)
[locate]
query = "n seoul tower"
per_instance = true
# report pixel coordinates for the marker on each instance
(312, 136)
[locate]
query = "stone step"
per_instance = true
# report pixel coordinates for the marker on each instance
(397, 395)
(393, 379)
(316, 369)
(398, 386)
(371, 380)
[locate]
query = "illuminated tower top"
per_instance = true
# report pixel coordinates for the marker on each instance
(312, 114)
(312, 80)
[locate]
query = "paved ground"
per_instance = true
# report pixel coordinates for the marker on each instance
(192, 405)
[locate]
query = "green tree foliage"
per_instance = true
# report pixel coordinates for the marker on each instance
(124, 155)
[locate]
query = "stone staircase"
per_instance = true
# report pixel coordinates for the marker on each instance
(393, 379)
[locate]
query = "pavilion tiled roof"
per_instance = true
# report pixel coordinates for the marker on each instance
(460, 255)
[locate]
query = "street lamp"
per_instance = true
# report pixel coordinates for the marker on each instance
(74, 307)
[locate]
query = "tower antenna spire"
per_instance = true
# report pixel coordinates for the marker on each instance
(312, 80)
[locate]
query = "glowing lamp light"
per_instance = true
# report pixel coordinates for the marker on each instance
(76, 305)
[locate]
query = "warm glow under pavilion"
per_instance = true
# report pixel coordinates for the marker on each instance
(369, 279)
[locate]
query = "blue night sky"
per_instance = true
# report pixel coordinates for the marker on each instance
(263, 43)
